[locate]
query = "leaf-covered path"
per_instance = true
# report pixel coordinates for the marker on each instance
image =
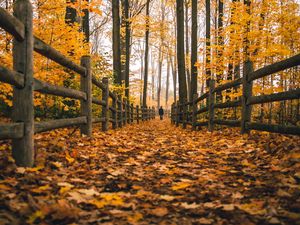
(154, 174)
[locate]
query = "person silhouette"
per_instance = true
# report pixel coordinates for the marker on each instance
(161, 113)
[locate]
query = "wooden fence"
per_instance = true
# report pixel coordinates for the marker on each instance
(187, 113)
(118, 111)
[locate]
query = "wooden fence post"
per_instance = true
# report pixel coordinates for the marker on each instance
(128, 111)
(23, 109)
(184, 114)
(149, 113)
(105, 95)
(143, 112)
(120, 113)
(172, 111)
(125, 112)
(211, 102)
(132, 113)
(153, 112)
(177, 114)
(194, 115)
(114, 112)
(247, 93)
(137, 114)
(86, 105)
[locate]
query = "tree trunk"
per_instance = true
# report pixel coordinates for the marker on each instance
(220, 43)
(208, 50)
(127, 47)
(146, 55)
(153, 76)
(187, 48)
(194, 50)
(71, 15)
(167, 85)
(173, 67)
(180, 52)
(160, 59)
(116, 42)
(86, 24)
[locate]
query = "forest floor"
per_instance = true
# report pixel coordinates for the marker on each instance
(154, 173)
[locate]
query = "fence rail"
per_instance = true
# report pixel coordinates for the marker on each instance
(118, 111)
(179, 115)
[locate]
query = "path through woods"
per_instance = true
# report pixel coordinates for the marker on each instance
(154, 174)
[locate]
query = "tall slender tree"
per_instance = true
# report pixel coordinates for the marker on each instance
(187, 47)
(194, 50)
(161, 49)
(116, 42)
(86, 24)
(208, 50)
(127, 46)
(146, 55)
(220, 43)
(167, 82)
(180, 51)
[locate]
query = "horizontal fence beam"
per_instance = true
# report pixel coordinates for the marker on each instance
(112, 109)
(99, 84)
(287, 95)
(202, 110)
(11, 130)
(274, 68)
(230, 104)
(60, 123)
(11, 77)
(112, 95)
(274, 128)
(231, 123)
(98, 101)
(51, 53)
(200, 124)
(202, 97)
(98, 120)
(228, 85)
(46, 88)
(12, 25)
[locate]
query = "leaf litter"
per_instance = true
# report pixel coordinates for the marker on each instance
(154, 173)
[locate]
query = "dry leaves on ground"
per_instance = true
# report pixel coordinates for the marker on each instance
(154, 173)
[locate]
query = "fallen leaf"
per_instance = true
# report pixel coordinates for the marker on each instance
(189, 206)
(180, 185)
(167, 197)
(205, 221)
(159, 211)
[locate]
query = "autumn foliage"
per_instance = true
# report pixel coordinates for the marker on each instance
(154, 173)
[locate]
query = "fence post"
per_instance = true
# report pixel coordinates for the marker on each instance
(194, 115)
(132, 113)
(23, 108)
(149, 113)
(184, 114)
(247, 93)
(128, 111)
(137, 114)
(177, 114)
(172, 110)
(86, 105)
(125, 112)
(114, 112)
(153, 112)
(120, 114)
(105, 94)
(211, 102)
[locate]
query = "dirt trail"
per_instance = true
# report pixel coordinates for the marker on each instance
(154, 174)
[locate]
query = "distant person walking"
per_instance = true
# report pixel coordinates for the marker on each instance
(161, 113)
